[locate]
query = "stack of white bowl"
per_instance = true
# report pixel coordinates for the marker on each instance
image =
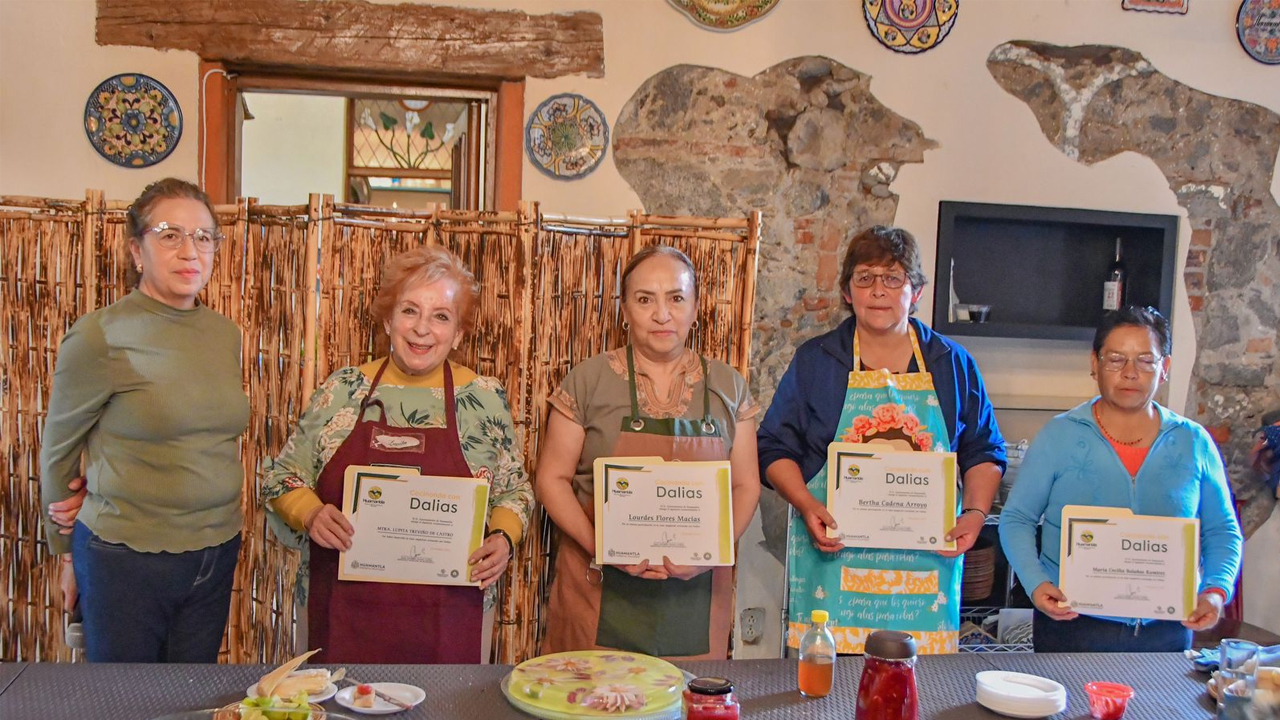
(1019, 695)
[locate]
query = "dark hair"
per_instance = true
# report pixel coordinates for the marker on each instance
(653, 251)
(1134, 316)
(882, 245)
(138, 221)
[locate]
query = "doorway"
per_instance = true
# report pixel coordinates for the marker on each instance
(409, 147)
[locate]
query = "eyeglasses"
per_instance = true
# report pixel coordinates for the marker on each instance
(172, 236)
(892, 281)
(1115, 362)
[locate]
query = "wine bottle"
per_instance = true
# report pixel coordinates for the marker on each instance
(1115, 287)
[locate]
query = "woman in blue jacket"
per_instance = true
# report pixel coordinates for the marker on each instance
(880, 377)
(1124, 450)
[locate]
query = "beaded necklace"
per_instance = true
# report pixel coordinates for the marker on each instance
(1097, 416)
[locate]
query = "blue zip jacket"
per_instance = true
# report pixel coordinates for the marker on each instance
(1071, 463)
(805, 411)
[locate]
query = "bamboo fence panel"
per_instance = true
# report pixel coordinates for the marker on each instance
(263, 283)
(299, 281)
(42, 292)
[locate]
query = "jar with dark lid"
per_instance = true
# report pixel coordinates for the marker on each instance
(710, 698)
(887, 688)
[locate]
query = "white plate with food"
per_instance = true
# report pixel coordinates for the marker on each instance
(325, 691)
(287, 681)
(362, 699)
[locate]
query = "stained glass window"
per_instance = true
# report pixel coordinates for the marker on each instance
(405, 133)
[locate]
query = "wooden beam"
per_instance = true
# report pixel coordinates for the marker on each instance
(358, 35)
(217, 153)
(508, 165)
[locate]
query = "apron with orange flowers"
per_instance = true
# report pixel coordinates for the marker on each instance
(867, 589)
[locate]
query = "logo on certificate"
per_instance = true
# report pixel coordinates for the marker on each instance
(852, 474)
(375, 492)
(622, 484)
(1086, 537)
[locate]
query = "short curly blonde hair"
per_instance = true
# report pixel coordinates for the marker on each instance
(422, 266)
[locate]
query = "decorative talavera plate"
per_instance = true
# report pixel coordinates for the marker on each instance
(910, 26)
(132, 120)
(724, 14)
(1258, 27)
(566, 136)
(596, 683)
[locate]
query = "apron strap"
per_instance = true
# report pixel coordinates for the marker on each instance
(708, 425)
(369, 401)
(631, 380)
(915, 350)
(450, 411)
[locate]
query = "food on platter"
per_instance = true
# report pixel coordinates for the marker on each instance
(596, 683)
(272, 708)
(287, 680)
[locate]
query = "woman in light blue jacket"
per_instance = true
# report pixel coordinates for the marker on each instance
(1121, 449)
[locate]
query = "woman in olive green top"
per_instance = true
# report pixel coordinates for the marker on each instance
(151, 387)
(655, 397)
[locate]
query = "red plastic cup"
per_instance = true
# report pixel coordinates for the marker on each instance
(1107, 701)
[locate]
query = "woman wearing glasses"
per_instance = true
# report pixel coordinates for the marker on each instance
(1121, 449)
(151, 388)
(880, 377)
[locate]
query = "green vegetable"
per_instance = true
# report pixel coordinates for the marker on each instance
(295, 708)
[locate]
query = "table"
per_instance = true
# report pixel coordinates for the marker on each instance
(1234, 629)
(9, 672)
(1167, 688)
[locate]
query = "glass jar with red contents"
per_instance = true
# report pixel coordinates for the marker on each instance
(710, 698)
(887, 689)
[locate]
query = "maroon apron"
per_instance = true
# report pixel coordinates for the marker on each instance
(371, 622)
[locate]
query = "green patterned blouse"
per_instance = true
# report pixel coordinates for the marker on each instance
(485, 430)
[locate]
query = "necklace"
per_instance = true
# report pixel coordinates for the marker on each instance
(1097, 416)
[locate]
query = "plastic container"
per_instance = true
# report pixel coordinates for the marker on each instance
(1020, 695)
(710, 698)
(817, 657)
(887, 688)
(1107, 700)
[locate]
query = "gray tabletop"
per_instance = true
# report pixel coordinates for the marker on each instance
(8, 672)
(1167, 688)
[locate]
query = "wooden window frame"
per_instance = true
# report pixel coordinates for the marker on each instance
(220, 110)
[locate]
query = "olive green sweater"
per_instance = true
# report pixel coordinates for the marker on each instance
(155, 395)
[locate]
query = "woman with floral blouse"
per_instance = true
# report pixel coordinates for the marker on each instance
(444, 420)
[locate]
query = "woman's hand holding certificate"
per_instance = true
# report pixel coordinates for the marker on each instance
(1115, 563)
(412, 528)
(889, 499)
(675, 515)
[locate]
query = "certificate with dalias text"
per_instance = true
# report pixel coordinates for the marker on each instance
(410, 528)
(1117, 564)
(647, 508)
(891, 499)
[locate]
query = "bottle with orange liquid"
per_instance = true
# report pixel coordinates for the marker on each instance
(817, 657)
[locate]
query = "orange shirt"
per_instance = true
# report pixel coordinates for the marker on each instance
(1130, 457)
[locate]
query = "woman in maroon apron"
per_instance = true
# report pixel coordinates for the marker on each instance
(654, 397)
(408, 410)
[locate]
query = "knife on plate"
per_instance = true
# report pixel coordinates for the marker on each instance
(379, 694)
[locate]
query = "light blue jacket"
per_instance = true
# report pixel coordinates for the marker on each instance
(1071, 463)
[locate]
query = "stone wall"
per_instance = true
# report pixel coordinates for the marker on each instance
(804, 141)
(1218, 154)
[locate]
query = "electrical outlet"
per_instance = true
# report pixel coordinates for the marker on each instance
(752, 625)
